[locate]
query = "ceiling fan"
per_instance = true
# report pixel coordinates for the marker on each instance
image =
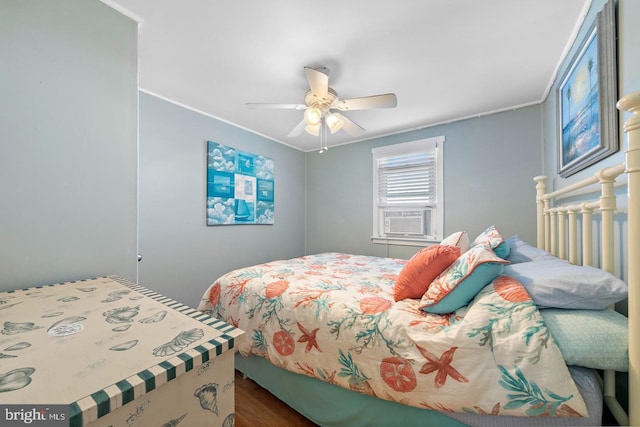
(322, 107)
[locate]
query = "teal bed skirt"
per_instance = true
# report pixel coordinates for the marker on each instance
(329, 405)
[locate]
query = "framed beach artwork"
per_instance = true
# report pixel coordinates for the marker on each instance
(240, 186)
(587, 95)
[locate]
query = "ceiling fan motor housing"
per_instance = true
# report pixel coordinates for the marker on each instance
(324, 103)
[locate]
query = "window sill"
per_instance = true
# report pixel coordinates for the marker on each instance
(402, 241)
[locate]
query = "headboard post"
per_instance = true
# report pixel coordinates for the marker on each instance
(552, 230)
(587, 234)
(562, 234)
(632, 128)
(573, 233)
(547, 226)
(607, 209)
(541, 188)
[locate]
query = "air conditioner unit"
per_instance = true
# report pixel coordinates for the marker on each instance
(407, 222)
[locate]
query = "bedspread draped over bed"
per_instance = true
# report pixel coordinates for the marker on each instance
(332, 316)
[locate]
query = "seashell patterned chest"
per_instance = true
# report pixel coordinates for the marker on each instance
(117, 354)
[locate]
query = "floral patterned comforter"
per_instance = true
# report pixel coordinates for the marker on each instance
(332, 316)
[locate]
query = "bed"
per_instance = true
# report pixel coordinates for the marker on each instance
(477, 330)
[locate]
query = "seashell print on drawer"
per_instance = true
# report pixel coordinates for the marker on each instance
(121, 314)
(155, 318)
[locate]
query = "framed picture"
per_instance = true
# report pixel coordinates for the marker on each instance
(240, 186)
(587, 95)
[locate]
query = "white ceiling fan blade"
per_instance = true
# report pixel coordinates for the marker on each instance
(298, 129)
(350, 126)
(271, 106)
(387, 100)
(318, 82)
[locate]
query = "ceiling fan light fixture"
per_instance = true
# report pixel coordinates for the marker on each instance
(313, 129)
(334, 123)
(312, 116)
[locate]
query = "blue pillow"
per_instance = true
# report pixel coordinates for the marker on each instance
(462, 280)
(556, 283)
(521, 251)
(597, 339)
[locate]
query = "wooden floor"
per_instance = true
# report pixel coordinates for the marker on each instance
(257, 407)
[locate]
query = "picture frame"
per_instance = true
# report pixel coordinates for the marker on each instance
(240, 187)
(587, 96)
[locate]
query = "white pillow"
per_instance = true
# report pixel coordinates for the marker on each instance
(557, 283)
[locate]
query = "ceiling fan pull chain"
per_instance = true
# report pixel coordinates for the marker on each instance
(323, 138)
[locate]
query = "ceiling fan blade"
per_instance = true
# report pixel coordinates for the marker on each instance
(298, 129)
(388, 100)
(318, 81)
(350, 126)
(270, 106)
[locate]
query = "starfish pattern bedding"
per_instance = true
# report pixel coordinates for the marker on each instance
(332, 316)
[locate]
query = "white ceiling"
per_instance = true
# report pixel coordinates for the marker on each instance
(444, 59)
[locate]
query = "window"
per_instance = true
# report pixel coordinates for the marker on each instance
(407, 192)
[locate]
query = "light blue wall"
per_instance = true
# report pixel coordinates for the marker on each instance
(489, 165)
(68, 107)
(628, 46)
(182, 256)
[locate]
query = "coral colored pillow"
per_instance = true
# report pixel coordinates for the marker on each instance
(422, 268)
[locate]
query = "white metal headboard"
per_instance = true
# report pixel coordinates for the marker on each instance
(557, 232)
(558, 226)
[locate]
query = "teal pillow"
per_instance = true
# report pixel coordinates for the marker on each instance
(492, 238)
(462, 280)
(503, 250)
(597, 339)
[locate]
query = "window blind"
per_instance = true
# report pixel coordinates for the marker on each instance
(408, 179)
